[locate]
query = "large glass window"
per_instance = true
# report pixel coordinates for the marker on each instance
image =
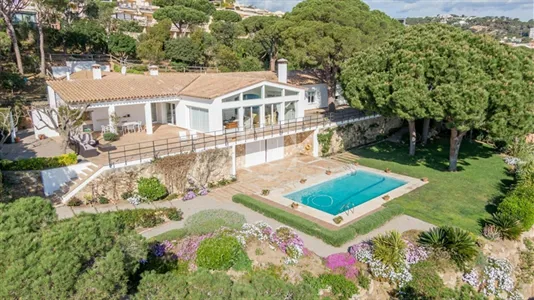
(271, 92)
(290, 112)
(230, 118)
(291, 93)
(231, 99)
(252, 94)
(272, 115)
(251, 117)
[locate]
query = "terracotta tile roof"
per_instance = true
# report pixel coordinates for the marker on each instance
(114, 86)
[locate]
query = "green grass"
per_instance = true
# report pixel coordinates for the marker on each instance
(332, 237)
(450, 198)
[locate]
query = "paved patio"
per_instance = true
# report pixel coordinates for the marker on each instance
(30, 147)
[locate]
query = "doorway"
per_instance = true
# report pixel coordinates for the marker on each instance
(171, 113)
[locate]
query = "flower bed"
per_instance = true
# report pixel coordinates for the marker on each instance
(39, 163)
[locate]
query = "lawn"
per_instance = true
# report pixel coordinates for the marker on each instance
(457, 198)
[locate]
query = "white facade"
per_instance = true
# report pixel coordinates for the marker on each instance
(316, 96)
(262, 104)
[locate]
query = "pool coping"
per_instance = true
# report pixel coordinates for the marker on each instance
(277, 195)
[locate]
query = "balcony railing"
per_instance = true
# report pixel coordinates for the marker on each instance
(147, 151)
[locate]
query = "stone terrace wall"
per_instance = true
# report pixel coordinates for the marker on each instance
(112, 183)
(352, 135)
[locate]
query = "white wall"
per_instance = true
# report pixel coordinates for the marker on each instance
(136, 112)
(54, 178)
(321, 96)
(99, 117)
(213, 107)
(39, 125)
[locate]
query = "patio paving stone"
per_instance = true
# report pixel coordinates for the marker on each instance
(84, 209)
(106, 208)
(162, 204)
(64, 212)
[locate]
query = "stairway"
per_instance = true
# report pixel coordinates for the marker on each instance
(345, 157)
(67, 190)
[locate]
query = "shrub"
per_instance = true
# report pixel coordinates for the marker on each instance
(458, 243)
(146, 218)
(332, 237)
(389, 248)
(173, 214)
(210, 220)
(218, 253)
(342, 262)
(425, 284)
(103, 200)
(364, 281)
(111, 137)
(127, 195)
(526, 262)
(39, 163)
(151, 188)
(508, 225)
(491, 232)
(520, 203)
(74, 201)
(339, 284)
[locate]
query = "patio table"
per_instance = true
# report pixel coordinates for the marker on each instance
(131, 124)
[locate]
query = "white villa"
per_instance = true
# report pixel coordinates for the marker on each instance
(197, 105)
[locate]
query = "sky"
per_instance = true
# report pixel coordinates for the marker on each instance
(522, 9)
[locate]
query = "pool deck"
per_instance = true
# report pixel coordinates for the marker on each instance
(277, 194)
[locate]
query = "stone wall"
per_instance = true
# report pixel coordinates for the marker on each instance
(112, 183)
(338, 139)
(17, 184)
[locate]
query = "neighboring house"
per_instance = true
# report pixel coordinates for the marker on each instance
(316, 89)
(214, 103)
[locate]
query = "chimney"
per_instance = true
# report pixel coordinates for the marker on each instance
(97, 72)
(68, 76)
(153, 70)
(282, 70)
(123, 70)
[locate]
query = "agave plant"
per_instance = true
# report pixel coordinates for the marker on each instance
(389, 248)
(507, 224)
(434, 238)
(491, 232)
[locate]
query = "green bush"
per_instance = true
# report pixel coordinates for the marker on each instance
(103, 200)
(146, 218)
(389, 248)
(173, 214)
(458, 243)
(425, 284)
(332, 237)
(363, 281)
(340, 285)
(520, 203)
(218, 253)
(508, 225)
(74, 201)
(39, 163)
(111, 137)
(151, 188)
(210, 220)
(127, 195)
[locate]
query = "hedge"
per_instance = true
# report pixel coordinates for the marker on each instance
(39, 163)
(333, 237)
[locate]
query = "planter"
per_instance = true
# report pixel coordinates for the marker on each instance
(294, 205)
(386, 198)
(17, 140)
(328, 172)
(338, 219)
(424, 179)
(265, 192)
(387, 170)
(303, 180)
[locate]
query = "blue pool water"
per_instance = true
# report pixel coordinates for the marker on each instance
(338, 195)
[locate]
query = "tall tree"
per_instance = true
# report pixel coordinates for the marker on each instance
(466, 80)
(267, 32)
(8, 8)
(121, 45)
(47, 12)
(324, 33)
(184, 13)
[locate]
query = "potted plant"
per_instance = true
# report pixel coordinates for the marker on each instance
(424, 179)
(17, 140)
(265, 192)
(42, 136)
(338, 219)
(387, 170)
(303, 180)
(386, 198)
(328, 172)
(294, 205)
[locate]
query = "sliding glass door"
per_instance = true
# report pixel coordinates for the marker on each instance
(171, 113)
(251, 117)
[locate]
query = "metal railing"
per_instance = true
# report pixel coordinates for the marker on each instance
(146, 151)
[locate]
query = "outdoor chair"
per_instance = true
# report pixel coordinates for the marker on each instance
(84, 145)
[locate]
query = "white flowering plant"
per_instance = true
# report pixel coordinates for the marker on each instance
(495, 279)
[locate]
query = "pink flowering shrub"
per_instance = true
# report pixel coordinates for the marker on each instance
(415, 253)
(187, 249)
(342, 263)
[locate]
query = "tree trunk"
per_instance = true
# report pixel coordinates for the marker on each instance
(330, 74)
(14, 42)
(456, 140)
(413, 136)
(272, 64)
(426, 128)
(41, 44)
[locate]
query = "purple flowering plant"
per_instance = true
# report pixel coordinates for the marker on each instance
(190, 195)
(343, 263)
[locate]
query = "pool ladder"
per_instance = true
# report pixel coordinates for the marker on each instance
(348, 208)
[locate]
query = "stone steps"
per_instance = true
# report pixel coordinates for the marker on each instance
(83, 176)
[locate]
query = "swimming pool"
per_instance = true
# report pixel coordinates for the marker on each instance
(337, 195)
